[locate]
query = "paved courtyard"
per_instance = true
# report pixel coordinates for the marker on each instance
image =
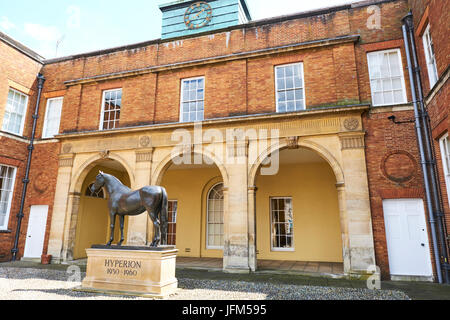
(32, 281)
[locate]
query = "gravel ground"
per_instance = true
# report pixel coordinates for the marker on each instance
(42, 284)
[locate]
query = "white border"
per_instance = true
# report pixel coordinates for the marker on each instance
(46, 117)
(182, 93)
(428, 58)
(102, 114)
(8, 209)
(444, 165)
(272, 248)
(207, 216)
(402, 73)
(276, 85)
(22, 125)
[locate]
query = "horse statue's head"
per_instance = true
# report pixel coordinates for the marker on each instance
(99, 182)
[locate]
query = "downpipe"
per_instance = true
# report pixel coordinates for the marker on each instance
(26, 180)
(425, 149)
(430, 152)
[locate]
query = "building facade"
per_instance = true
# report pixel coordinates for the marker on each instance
(272, 139)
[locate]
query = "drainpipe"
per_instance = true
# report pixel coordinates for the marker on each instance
(41, 80)
(430, 150)
(424, 143)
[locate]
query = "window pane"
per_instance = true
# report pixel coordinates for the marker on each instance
(280, 72)
(14, 112)
(388, 98)
(387, 85)
(290, 95)
(298, 94)
(215, 216)
(6, 190)
(299, 105)
(290, 90)
(282, 223)
(386, 77)
(194, 93)
(112, 107)
(395, 66)
(281, 96)
(290, 106)
(398, 96)
(289, 83)
(289, 71)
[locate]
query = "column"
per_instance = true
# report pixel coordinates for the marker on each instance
(356, 206)
(252, 260)
(137, 225)
(60, 213)
(236, 244)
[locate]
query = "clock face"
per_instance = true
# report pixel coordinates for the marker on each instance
(198, 15)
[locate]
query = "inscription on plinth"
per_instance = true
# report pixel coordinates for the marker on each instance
(132, 270)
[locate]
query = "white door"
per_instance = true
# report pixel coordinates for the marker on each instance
(36, 232)
(407, 238)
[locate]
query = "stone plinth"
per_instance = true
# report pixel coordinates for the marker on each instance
(139, 271)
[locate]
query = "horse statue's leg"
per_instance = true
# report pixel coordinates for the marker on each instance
(113, 222)
(122, 222)
(156, 229)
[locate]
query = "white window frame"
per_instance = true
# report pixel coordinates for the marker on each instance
(102, 116)
(22, 125)
(402, 77)
(430, 57)
(8, 209)
(241, 14)
(44, 129)
(208, 246)
(272, 248)
(445, 155)
(173, 222)
(276, 86)
(182, 94)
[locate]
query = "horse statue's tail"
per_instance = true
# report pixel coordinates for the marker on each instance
(164, 216)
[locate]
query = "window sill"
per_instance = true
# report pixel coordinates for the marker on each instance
(5, 231)
(282, 250)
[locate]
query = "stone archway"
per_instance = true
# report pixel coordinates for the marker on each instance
(89, 219)
(339, 184)
(188, 185)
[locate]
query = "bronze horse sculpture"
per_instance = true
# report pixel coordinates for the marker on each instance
(125, 202)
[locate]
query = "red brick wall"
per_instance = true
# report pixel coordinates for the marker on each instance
(333, 75)
(17, 71)
(436, 14)
(387, 147)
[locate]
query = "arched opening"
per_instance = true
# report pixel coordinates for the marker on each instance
(195, 194)
(92, 221)
(297, 213)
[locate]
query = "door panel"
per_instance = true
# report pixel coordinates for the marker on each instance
(407, 238)
(36, 231)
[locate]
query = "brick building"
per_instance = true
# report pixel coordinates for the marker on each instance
(310, 94)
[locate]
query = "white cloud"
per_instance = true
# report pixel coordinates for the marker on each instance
(5, 24)
(42, 33)
(48, 38)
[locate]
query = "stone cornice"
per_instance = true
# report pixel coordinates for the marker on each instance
(217, 59)
(231, 121)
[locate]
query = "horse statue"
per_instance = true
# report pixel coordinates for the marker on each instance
(125, 202)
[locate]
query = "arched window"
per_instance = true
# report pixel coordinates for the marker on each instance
(99, 194)
(214, 219)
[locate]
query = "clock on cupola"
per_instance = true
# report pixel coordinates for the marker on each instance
(184, 18)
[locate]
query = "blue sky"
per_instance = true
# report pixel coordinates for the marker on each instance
(55, 28)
